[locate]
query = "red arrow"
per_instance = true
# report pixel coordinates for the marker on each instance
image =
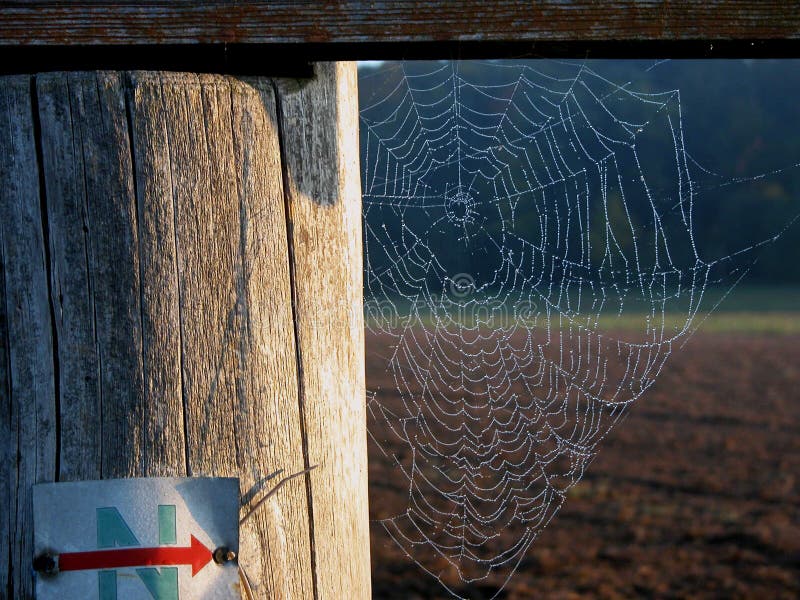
(196, 555)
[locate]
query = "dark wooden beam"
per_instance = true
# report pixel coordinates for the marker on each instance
(295, 60)
(377, 25)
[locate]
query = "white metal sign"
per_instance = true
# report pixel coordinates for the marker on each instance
(137, 539)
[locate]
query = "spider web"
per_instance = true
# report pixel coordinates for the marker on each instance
(529, 241)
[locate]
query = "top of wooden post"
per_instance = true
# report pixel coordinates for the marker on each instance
(244, 30)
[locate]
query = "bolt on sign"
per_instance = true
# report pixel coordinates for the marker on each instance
(137, 539)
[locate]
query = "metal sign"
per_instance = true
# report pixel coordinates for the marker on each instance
(137, 539)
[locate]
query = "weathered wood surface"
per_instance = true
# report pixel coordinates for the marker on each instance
(403, 21)
(165, 342)
(28, 406)
(324, 216)
(95, 281)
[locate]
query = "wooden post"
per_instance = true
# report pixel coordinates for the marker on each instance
(180, 294)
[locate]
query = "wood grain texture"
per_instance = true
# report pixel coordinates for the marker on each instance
(100, 125)
(29, 431)
(95, 274)
(8, 454)
(213, 143)
(68, 221)
(146, 317)
(271, 427)
(402, 21)
(319, 125)
(164, 441)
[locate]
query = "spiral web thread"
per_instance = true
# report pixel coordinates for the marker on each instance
(512, 224)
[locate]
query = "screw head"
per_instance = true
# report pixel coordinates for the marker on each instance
(223, 555)
(45, 564)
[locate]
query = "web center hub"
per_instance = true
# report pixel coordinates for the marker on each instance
(460, 207)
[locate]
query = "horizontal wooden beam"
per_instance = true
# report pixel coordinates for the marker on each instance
(395, 26)
(295, 60)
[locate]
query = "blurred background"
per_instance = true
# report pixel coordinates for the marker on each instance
(696, 493)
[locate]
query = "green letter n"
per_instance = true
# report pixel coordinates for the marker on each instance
(112, 531)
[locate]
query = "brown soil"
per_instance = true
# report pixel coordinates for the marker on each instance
(695, 495)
